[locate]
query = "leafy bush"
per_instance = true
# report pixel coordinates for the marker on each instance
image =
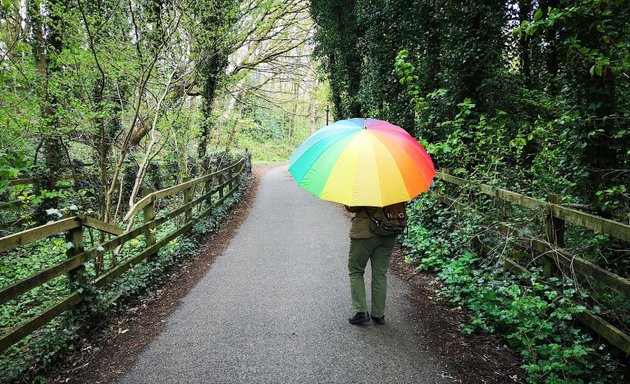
(535, 317)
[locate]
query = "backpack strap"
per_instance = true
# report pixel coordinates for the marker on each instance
(374, 219)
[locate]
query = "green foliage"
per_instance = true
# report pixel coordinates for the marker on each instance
(540, 102)
(607, 51)
(264, 125)
(60, 340)
(44, 351)
(270, 135)
(535, 317)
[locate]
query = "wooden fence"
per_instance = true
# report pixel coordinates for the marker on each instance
(211, 190)
(550, 249)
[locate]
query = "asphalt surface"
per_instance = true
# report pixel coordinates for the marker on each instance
(274, 308)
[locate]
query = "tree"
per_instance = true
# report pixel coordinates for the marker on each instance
(595, 39)
(211, 23)
(46, 23)
(269, 49)
(337, 38)
(264, 45)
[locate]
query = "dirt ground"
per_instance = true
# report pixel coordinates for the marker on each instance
(111, 350)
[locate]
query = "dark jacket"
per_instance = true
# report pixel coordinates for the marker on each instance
(361, 222)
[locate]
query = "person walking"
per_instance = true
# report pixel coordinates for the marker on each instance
(364, 246)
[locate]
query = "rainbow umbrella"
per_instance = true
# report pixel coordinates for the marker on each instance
(362, 162)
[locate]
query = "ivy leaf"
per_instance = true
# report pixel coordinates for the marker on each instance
(599, 70)
(52, 211)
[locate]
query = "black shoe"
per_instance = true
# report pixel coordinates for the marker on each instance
(379, 320)
(359, 318)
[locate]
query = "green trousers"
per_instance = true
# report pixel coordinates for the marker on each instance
(378, 250)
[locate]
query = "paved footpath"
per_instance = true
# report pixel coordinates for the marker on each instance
(274, 308)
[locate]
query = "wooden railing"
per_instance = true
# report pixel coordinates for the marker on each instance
(211, 190)
(555, 259)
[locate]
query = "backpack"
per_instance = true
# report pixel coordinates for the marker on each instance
(393, 224)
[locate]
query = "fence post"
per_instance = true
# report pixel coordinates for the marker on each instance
(221, 179)
(149, 215)
(187, 199)
(554, 229)
(207, 189)
(75, 237)
(231, 178)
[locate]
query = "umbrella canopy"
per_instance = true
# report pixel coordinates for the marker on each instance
(362, 162)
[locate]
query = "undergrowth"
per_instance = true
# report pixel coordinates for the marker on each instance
(535, 316)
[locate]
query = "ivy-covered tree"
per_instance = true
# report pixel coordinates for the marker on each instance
(594, 37)
(46, 27)
(338, 36)
(211, 24)
(381, 41)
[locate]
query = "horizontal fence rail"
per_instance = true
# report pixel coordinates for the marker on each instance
(554, 257)
(222, 183)
(582, 219)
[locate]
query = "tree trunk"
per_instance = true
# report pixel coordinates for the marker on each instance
(211, 72)
(47, 44)
(551, 56)
(524, 9)
(296, 97)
